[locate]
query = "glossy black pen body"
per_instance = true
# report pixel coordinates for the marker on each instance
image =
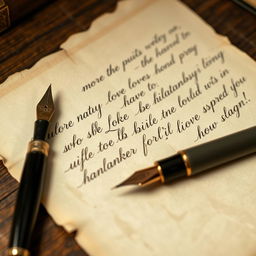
(196, 159)
(32, 180)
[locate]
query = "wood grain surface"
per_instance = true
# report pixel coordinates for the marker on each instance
(41, 34)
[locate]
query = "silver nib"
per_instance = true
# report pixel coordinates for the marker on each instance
(45, 108)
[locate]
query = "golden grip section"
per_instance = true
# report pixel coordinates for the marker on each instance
(159, 169)
(17, 251)
(39, 146)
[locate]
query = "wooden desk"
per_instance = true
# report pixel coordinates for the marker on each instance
(41, 34)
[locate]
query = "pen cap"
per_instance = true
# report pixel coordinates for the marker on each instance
(222, 150)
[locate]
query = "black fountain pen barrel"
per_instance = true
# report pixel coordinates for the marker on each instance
(32, 181)
(221, 151)
(172, 168)
(211, 154)
(29, 195)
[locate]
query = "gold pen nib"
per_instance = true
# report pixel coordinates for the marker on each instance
(45, 108)
(142, 178)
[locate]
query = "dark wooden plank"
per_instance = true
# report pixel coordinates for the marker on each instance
(7, 185)
(41, 34)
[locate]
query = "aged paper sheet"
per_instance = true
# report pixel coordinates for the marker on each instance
(148, 80)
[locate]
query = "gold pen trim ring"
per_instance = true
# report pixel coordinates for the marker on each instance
(39, 146)
(159, 169)
(187, 162)
(17, 251)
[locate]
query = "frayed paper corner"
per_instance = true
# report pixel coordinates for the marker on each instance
(3, 159)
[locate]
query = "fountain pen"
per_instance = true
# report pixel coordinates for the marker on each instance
(32, 180)
(196, 159)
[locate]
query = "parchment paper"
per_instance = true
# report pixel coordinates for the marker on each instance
(141, 84)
